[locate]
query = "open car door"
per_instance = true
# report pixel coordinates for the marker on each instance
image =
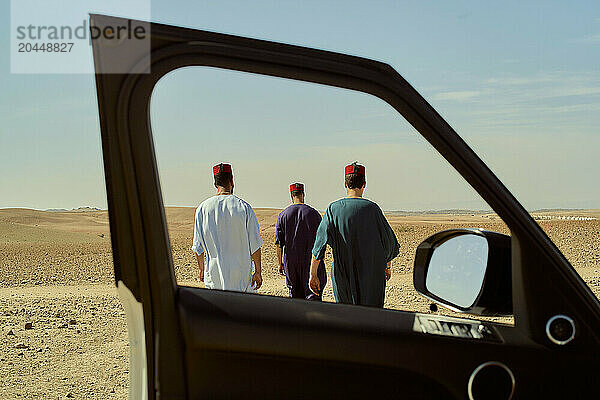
(197, 343)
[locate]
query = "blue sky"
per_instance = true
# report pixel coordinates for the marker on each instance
(519, 81)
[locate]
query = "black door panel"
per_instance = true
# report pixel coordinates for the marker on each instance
(326, 344)
(260, 376)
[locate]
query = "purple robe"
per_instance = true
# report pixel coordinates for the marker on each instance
(296, 230)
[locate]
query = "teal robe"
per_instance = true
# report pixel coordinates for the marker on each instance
(363, 243)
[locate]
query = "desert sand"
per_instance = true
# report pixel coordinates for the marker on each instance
(64, 333)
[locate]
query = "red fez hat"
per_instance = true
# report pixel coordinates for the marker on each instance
(297, 186)
(221, 168)
(354, 168)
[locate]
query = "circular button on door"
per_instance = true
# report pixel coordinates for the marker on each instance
(491, 380)
(560, 329)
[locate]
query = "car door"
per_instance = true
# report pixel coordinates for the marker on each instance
(193, 343)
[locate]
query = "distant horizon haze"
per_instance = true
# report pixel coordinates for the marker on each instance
(416, 211)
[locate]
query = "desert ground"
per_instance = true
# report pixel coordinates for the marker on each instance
(64, 333)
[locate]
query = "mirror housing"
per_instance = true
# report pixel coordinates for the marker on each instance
(492, 290)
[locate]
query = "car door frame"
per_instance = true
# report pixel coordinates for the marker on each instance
(137, 220)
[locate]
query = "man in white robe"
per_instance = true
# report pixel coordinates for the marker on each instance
(227, 238)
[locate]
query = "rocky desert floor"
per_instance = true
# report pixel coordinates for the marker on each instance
(63, 330)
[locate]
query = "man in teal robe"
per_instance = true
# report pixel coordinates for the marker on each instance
(363, 245)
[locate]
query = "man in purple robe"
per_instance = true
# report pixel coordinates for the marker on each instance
(296, 230)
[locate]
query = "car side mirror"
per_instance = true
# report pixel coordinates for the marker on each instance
(466, 270)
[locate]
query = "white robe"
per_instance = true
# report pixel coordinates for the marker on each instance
(227, 231)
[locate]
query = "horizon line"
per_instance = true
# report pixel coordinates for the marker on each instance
(414, 211)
